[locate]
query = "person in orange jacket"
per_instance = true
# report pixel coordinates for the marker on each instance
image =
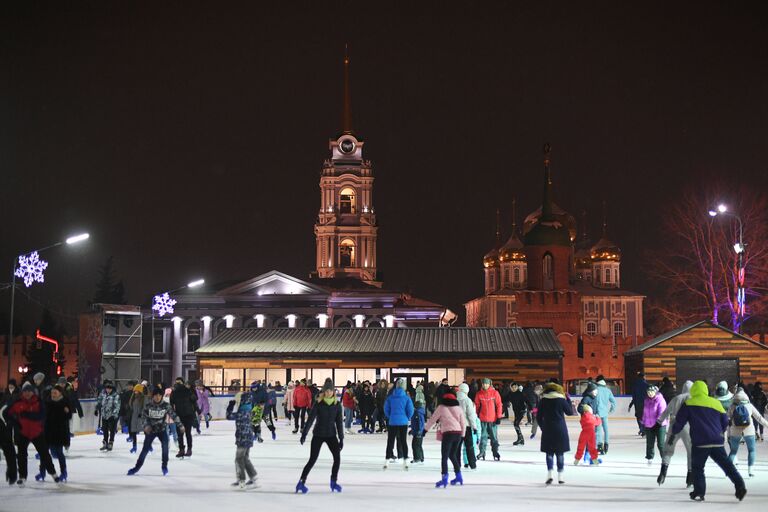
(302, 400)
(489, 410)
(588, 437)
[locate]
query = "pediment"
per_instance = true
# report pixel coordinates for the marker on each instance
(273, 283)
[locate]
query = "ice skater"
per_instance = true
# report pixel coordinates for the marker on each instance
(108, 407)
(184, 402)
(240, 410)
(135, 420)
(655, 428)
(6, 437)
(472, 425)
(398, 410)
(58, 412)
(518, 403)
(156, 413)
(417, 431)
(451, 434)
(489, 410)
(669, 415)
(329, 429)
(708, 423)
(606, 404)
(741, 415)
(554, 431)
(28, 413)
(588, 436)
(203, 404)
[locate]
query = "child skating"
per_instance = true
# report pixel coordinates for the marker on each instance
(588, 436)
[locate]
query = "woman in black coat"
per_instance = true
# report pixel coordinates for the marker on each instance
(58, 413)
(329, 430)
(554, 431)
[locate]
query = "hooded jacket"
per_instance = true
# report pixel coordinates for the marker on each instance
(705, 415)
(470, 415)
(589, 397)
(29, 414)
(674, 405)
(450, 416)
(488, 405)
(184, 401)
(553, 409)
(202, 401)
(605, 401)
(155, 415)
(302, 397)
(108, 404)
(723, 395)
(741, 398)
(327, 419)
(398, 408)
(653, 409)
(288, 398)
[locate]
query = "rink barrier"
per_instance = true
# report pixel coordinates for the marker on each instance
(87, 424)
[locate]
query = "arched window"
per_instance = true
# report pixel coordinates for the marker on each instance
(547, 271)
(506, 276)
(616, 276)
(347, 200)
(344, 324)
(347, 253)
(580, 348)
(607, 275)
(618, 329)
(193, 336)
(281, 324)
(516, 275)
(221, 326)
(591, 328)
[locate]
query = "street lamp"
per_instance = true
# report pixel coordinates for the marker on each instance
(30, 268)
(163, 304)
(739, 249)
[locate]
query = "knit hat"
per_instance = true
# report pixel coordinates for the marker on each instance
(38, 376)
(108, 384)
(486, 381)
(158, 391)
(449, 396)
(138, 388)
(62, 381)
(27, 386)
(402, 383)
(255, 384)
(652, 389)
(12, 382)
(586, 408)
(328, 385)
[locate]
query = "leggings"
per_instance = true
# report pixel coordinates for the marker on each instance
(299, 411)
(108, 427)
(397, 433)
(317, 443)
(450, 448)
(560, 461)
(188, 422)
(519, 416)
(58, 452)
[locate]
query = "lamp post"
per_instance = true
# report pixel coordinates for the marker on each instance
(739, 249)
(30, 268)
(163, 304)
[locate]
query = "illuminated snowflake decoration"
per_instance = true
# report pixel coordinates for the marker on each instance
(164, 304)
(31, 268)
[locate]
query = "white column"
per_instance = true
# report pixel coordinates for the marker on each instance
(259, 320)
(230, 319)
(390, 320)
(206, 330)
(291, 320)
(359, 319)
(176, 354)
(322, 319)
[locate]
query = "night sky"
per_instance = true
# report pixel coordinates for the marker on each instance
(188, 138)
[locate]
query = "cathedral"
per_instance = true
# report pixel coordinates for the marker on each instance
(547, 276)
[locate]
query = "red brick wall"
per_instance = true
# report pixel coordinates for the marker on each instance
(534, 256)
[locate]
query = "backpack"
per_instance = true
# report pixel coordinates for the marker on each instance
(741, 416)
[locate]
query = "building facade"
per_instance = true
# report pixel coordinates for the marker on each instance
(546, 278)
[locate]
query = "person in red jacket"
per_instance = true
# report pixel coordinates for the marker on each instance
(489, 410)
(302, 400)
(588, 437)
(29, 414)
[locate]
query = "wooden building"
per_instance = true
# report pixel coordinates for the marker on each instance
(700, 351)
(456, 353)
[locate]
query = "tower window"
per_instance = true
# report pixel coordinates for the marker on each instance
(193, 337)
(347, 200)
(548, 271)
(347, 253)
(618, 330)
(506, 276)
(607, 275)
(591, 328)
(516, 275)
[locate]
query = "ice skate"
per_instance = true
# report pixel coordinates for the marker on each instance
(443, 482)
(662, 474)
(560, 478)
(301, 488)
(238, 483)
(496, 456)
(750, 472)
(740, 493)
(696, 497)
(180, 455)
(576, 462)
(405, 463)
(549, 478)
(188, 453)
(165, 471)
(595, 462)
(132, 471)
(20, 482)
(109, 447)
(40, 477)
(251, 483)
(335, 487)
(458, 480)
(63, 476)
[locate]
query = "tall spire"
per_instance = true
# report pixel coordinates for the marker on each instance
(514, 215)
(546, 205)
(584, 236)
(498, 227)
(605, 220)
(346, 121)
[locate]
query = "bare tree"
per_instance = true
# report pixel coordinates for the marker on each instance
(695, 265)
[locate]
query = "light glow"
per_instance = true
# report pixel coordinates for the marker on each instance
(78, 238)
(722, 208)
(712, 213)
(230, 320)
(196, 283)
(739, 248)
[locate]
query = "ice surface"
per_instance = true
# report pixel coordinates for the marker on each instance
(201, 483)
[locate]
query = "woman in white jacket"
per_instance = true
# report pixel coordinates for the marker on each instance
(473, 425)
(288, 402)
(740, 415)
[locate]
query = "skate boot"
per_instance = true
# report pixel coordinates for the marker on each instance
(595, 462)
(696, 497)
(238, 483)
(109, 447)
(750, 472)
(740, 493)
(576, 461)
(188, 453)
(20, 482)
(600, 449)
(301, 488)
(481, 456)
(165, 471)
(405, 463)
(103, 447)
(132, 450)
(295, 431)
(496, 456)
(533, 436)
(274, 435)
(40, 477)
(180, 455)
(132, 471)
(662, 474)
(519, 441)
(63, 476)
(251, 483)
(458, 480)
(560, 478)
(549, 478)
(335, 487)
(443, 481)
(689, 479)
(605, 448)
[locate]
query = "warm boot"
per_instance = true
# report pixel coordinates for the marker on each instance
(549, 477)
(560, 478)
(600, 449)
(180, 455)
(696, 497)
(335, 487)
(741, 492)
(662, 474)
(458, 480)
(443, 481)
(301, 488)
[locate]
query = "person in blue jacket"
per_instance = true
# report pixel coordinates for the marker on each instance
(417, 431)
(606, 404)
(708, 423)
(639, 392)
(398, 410)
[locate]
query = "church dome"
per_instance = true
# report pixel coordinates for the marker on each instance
(512, 250)
(548, 232)
(583, 258)
(491, 259)
(563, 217)
(605, 250)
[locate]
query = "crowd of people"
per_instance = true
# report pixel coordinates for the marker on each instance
(466, 418)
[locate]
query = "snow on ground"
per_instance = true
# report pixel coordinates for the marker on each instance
(98, 481)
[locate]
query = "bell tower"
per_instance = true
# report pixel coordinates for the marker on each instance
(346, 230)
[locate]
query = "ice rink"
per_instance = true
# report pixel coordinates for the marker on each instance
(98, 480)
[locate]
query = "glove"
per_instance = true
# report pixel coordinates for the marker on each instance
(341, 444)
(497, 422)
(424, 434)
(303, 438)
(96, 412)
(670, 440)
